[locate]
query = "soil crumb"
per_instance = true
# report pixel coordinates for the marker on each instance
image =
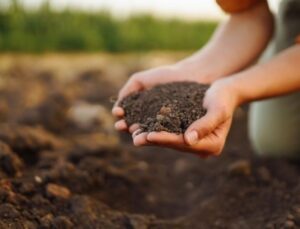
(171, 107)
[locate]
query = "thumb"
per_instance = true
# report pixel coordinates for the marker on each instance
(204, 126)
(131, 86)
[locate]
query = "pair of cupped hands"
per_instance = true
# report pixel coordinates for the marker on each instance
(206, 136)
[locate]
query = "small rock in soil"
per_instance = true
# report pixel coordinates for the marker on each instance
(290, 216)
(57, 191)
(87, 117)
(8, 211)
(289, 224)
(46, 220)
(51, 113)
(10, 163)
(240, 167)
(181, 166)
(270, 226)
(297, 216)
(61, 222)
(264, 174)
(136, 222)
(27, 140)
(171, 107)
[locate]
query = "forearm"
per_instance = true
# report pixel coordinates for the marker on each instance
(277, 77)
(235, 45)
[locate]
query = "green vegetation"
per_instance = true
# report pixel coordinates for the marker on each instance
(23, 30)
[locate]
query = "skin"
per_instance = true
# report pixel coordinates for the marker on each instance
(232, 82)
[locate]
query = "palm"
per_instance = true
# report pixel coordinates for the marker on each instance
(211, 144)
(211, 130)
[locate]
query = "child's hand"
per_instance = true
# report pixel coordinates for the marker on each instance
(147, 79)
(205, 136)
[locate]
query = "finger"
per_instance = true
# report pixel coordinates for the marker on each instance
(173, 141)
(136, 133)
(121, 125)
(165, 138)
(203, 126)
(118, 112)
(133, 128)
(213, 143)
(176, 142)
(140, 139)
(131, 86)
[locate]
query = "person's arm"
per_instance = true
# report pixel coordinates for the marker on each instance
(236, 44)
(207, 136)
(279, 76)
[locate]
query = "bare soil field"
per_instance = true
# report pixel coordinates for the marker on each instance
(62, 165)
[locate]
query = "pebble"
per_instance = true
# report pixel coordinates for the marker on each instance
(57, 191)
(29, 225)
(136, 222)
(270, 226)
(8, 211)
(46, 220)
(151, 199)
(10, 163)
(181, 166)
(264, 174)
(160, 117)
(240, 167)
(142, 165)
(62, 222)
(297, 216)
(289, 224)
(189, 185)
(38, 179)
(165, 110)
(86, 116)
(290, 216)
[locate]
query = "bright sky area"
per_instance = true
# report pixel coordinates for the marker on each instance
(187, 9)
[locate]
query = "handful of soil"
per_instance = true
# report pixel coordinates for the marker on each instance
(171, 107)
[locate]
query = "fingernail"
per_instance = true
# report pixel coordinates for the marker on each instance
(192, 137)
(120, 125)
(136, 133)
(117, 125)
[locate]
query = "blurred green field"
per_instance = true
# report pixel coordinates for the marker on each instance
(46, 30)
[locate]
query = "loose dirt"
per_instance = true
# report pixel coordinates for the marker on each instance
(70, 169)
(171, 107)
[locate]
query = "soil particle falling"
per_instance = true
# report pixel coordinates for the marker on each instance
(171, 107)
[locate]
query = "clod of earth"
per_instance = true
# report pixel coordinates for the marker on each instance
(10, 163)
(171, 107)
(57, 191)
(241, 167)
(103, 182)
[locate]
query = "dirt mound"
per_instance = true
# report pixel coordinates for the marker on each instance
(169, 107)
(62, 166)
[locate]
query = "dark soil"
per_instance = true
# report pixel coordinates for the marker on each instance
(169, 107)
(85, 176)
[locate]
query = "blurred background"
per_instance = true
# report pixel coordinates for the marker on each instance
(61, 62)
(106, 25)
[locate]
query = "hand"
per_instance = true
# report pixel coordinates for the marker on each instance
(147, 79)
(207, 135)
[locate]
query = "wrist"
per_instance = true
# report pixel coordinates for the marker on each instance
(230, 86)
(197, 70)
